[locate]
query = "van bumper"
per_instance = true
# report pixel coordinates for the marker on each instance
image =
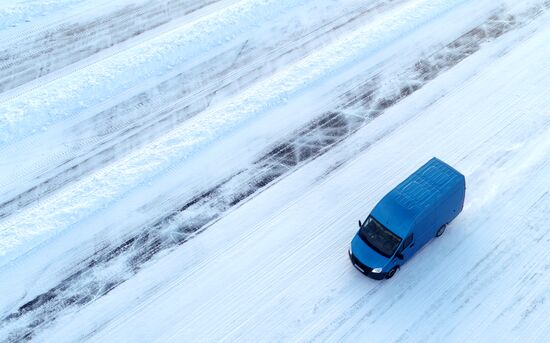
(364, 269)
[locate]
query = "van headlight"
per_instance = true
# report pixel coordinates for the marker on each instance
(377, 270)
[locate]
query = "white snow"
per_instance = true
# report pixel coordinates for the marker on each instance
(69, 95)
(21, 232)
(14, 12)
(276, 269)
(273, 265)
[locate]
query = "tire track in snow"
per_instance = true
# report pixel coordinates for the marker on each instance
(22, 232)
(88, 87)
(197, 214)
(34, 55)
(121, 129)
(19, 12)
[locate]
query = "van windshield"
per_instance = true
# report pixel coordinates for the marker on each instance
(378, 237)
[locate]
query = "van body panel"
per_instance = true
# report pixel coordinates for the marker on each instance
(365, 253)
(429, 198)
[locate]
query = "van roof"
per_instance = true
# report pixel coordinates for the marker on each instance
(421, 191)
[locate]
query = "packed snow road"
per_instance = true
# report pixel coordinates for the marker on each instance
(225, 188)
(40, 47)
(284, 267)
(115, 128)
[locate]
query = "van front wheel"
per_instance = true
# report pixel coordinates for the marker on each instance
(441, 230)
(391, 272)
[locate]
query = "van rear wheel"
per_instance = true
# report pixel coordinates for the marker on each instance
(441, 230)
(392, 272)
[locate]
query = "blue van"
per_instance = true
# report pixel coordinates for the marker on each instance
(411, 214)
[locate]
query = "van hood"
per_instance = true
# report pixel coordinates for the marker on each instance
(366, 254)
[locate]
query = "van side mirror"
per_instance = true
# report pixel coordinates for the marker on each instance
(399, 256)
(360, 223)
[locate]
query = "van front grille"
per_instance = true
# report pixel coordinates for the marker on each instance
(358, 263)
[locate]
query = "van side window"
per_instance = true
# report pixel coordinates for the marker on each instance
(407, 241)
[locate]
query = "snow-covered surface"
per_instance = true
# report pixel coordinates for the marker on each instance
(14, 12)
(39, 108)
(84, 34)
(226, 216)
(21, 232)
